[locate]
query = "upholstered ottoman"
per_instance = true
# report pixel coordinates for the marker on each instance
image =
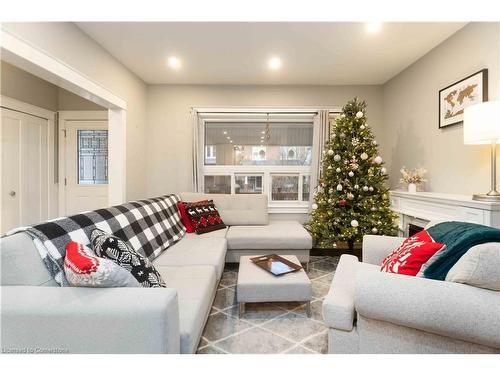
(257, 285)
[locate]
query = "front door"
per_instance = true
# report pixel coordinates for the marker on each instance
(86, 161)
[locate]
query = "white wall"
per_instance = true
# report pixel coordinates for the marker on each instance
(169, 125)
(411, 136)
(25, 87)
(68, 43)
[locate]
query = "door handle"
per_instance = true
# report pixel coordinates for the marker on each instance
(12, 193)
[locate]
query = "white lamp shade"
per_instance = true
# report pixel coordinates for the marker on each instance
(482, 123)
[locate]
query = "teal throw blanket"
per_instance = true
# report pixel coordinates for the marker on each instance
(458, 237)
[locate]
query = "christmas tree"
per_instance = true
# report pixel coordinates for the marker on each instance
(351, 199)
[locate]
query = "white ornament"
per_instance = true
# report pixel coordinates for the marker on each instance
(374, 142)
(356, 186)
(370, 188)
(342, 135)
(355, 141)
(330, 191)
(383, 170)
(359, 114)
(351, 174)
(338, 170)
(339, 187)
(364, 156)
(378, 160)
(365, 188)
(354, 223)
(350, 196)
(334, 245)
(329, 167)
(314, 206)
(336, 157)
(330, 201)
(330, 152)
(362, 127)
(374, 230)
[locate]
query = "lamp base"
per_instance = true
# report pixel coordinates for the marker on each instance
(487, 197)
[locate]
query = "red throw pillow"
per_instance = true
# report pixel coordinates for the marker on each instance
(411, 255)
(204, 216)
(185, 217)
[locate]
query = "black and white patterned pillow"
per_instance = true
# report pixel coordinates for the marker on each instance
(108, 246)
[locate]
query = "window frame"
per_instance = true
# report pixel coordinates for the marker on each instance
(266, 171)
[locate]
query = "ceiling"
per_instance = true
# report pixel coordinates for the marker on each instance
(336, 53)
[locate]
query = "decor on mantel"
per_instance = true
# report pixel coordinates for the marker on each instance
(455, 98)
(412, 178)
(482, 127)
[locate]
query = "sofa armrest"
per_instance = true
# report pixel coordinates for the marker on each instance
(449, 309)
(90, 320)
(376, 248)
(338, 305)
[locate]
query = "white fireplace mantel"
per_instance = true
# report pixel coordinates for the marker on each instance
(421, 207)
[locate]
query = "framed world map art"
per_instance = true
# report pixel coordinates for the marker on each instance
(458, 96)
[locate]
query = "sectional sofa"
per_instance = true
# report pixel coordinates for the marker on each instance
(36, 314)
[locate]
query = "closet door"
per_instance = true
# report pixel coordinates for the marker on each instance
(25, 169)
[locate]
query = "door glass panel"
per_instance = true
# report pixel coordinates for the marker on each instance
(248, 184)
(92, 157)
(285, 188)
(218, 184)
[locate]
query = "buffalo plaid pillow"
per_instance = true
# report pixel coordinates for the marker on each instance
(204, 216)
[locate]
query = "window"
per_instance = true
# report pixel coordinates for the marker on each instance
(285, 188)
(258, 143)
(218, 184)
(92, 157)
(248, 184)
(255, 153)
(306, 188)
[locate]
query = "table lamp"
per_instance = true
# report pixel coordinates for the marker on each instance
(481, 127)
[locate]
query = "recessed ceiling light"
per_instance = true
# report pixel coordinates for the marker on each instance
(228, 137)
(274, 63)
(230, 141)
(224, 132)
(263, 132)
(174, 62)
(373, 27)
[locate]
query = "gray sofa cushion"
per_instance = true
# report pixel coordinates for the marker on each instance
(479, 266)
(194, 250)
(277, 235)
(195, 286)
(240, 209)
(21, 263)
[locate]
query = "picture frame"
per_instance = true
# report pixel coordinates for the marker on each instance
(454, 98)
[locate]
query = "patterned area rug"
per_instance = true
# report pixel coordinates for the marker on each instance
(268, 328)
